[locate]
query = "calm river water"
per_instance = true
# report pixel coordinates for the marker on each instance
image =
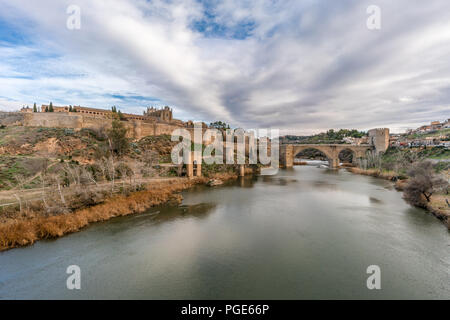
(306, 233)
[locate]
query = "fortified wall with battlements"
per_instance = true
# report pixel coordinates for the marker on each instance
(379, 138)
(152, 123)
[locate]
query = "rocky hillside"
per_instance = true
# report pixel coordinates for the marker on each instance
(26, 151)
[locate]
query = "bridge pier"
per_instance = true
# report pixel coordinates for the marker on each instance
(241, 170)
(198, 170)
(287, 156)
(333, 163)
(190, 170)
(193, 168)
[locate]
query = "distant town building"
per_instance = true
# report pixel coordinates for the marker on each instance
(26, 110)
(356, 141)
(433, 126)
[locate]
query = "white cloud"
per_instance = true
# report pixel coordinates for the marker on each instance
(303, 66)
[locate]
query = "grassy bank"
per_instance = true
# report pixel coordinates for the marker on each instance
(388, 175)
(437, 205)
(32, 226)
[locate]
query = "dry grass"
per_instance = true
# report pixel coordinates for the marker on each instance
(388, 175)
(401, 184)
(439, 207)
(348, 165)
(32, 227)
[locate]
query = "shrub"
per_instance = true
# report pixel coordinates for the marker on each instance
(423, 184)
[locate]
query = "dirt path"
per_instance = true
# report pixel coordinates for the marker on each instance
(8, 198)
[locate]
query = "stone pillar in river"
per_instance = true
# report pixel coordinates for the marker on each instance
(189, 166)
(241, 170)
(198, 170)
(287, 156)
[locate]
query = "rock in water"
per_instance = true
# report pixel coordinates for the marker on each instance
(214, 182)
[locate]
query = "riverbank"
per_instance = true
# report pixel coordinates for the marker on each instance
(437, 205)
(32, 227)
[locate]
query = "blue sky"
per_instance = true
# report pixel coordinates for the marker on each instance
(210, 26)
(300, 66)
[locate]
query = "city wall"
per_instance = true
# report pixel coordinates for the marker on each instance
(136, 129)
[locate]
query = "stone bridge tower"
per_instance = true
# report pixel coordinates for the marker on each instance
(379, 138)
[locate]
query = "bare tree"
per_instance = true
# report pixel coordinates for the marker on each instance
(18, 188)
(373, 161)
(87, 175)
(423, 184)
(43, 180)
(108, 168)
(55, 177)
(103, 165)
(135, 169)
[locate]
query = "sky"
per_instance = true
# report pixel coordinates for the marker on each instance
(299, 66)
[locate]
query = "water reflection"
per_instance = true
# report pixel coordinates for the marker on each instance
(375, 200)
(166, 214)
(247, 181)
(278, 181)
(324, 185)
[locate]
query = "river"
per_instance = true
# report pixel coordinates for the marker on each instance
(305, 233)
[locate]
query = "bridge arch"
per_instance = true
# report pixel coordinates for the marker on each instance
(324, 151)
(344, 154)
(331, 151)
(306, 153)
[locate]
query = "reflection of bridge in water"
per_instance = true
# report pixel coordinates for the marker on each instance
(331, 151)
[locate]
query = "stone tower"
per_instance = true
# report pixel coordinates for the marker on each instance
(165, 114)
(379, 138)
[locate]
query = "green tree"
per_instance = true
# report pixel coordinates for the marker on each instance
(121, 116)
(219, 125)
(70, 109)
(117, 137)
(34, 107)
(114, 109)
(50, 108)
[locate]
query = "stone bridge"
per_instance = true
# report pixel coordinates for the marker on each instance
(331, 151)
(378, 143)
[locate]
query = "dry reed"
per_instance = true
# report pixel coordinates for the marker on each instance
(33, 227)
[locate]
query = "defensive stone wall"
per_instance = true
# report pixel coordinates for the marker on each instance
(136, 129)
(53, 120)
(11, 118)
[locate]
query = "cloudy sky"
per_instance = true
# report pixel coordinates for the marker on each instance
(301, 66)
